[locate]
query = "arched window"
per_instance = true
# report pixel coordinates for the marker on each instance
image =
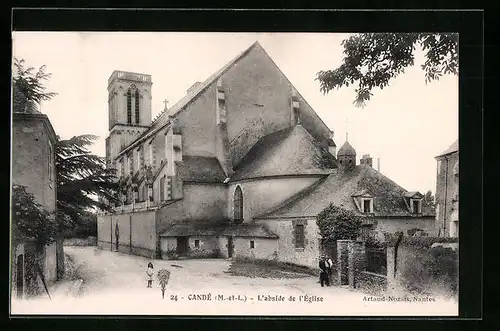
(238, 205)
(129, 107)
(144, 192)
(136, 106)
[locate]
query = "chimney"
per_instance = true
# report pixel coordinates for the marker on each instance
(366, 159)
(332, 147)
(378, 164)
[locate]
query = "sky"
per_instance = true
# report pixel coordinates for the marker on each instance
(405, 125)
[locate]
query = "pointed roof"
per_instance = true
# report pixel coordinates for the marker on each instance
(452, 149)
(346, 150)
(163, 119)
(413, 194)
(339, 188)
(291, 151)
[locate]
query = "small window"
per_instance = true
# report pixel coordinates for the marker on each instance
(299, 236)
(252, 244)
(416, 207)
(366, 206)
(197, 243)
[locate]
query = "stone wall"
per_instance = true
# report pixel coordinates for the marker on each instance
(263, 248)
(287, 252)
(394, 225)
(142, 239)
(446, 186)
(30, 158)
(197, 124)
(258, 102)
(50, 263)
(201, 203)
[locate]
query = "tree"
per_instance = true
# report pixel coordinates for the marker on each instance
(81, 177)
(429, 199)
(28, 86)
(30, 221)
(373, 59)
(336, 223)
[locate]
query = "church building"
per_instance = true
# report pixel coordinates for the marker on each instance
(239, 167)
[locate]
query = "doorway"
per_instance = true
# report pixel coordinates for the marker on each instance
(20, 276)
(230, 247)
(182, 245)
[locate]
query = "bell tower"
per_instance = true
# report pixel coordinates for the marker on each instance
(129, 109)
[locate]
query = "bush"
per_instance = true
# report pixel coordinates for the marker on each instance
(419, 242)
(337, 223)
(30, 220)
(431, 270)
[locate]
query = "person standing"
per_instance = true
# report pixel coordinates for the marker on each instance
(150, 273)
(323, 276)
(329, 266)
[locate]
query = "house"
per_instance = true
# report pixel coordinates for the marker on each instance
(33, 166)
(206, 177)
(447, 192)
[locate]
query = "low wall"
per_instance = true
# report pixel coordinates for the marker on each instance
(372, 283)
(423, 266)
(89, 241)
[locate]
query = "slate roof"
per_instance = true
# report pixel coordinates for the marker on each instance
(252, 230)
(339, 187)
(200, 169)
(452, 149)
(163, 118)
(291, 151)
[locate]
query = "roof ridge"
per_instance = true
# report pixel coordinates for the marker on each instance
(294, 197)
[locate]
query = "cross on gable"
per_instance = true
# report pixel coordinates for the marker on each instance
(165, 102)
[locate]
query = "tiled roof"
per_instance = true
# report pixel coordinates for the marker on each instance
(291, 151)
(200, 169)
(339, 187)
(163, 118)
(412, 194)
(217, 229)
(452, 149)
(347, 150)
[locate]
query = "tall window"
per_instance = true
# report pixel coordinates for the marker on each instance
(122, 166)
(299, 236)
(139, 158)
(416, 206)
(129, 107)
(150, 153)
(51, 163)
(144, 192)
(136, 106)
(162, 188)
(238, 205)
(367, 206)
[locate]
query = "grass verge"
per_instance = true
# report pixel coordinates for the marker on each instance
(269, 269)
